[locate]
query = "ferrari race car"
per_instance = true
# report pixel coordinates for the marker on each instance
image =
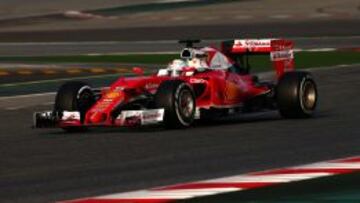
(204, 83)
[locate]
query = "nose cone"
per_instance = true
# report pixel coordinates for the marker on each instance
(97, 117)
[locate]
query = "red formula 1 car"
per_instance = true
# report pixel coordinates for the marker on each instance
(204, 83)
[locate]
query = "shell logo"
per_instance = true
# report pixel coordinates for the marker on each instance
(231, 91)
(112, 95)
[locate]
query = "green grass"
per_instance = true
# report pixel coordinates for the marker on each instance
(316, 59)
(258, 63)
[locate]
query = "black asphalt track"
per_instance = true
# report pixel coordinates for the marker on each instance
(47, 165)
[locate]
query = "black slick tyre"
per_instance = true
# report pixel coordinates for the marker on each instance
(178, 100)
(74, 96)
(296, 95)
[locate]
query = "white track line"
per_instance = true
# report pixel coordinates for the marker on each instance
(320, 15)
(62, 79)
(331, 166)
(243, 17)
(14, 108)
(277, 178)
(173, 194)
(231, 184)
(280, 16)
(27, 96)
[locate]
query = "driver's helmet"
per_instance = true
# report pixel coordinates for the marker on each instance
(199, 60)
(176, 66)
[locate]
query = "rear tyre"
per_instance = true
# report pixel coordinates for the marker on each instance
(296, 95)
(74, 96)
(178, 100)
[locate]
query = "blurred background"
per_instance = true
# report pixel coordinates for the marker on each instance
(84, 20)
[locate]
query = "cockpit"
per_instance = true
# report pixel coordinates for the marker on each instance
(200, 59)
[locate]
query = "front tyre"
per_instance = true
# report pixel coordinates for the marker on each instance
(74, 96)
(178, 100)
(296, 95)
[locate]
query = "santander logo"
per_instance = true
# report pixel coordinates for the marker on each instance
(252, 43)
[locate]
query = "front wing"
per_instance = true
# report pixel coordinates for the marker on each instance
(51, 119)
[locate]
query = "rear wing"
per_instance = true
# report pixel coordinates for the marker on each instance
(280, 50)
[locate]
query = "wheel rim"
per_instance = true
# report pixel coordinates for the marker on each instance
(309, 95)
(186, 104)
(84, 100)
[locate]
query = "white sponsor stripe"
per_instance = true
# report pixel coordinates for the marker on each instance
(172, 194)
(276, 178)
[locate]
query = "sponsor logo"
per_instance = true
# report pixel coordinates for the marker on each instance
(281, 55)
(197, 80)
(133, 121)
(68, 115)
(144, 116)
(252, 43)
(151, 86)
(112, 95)
(152, 116)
